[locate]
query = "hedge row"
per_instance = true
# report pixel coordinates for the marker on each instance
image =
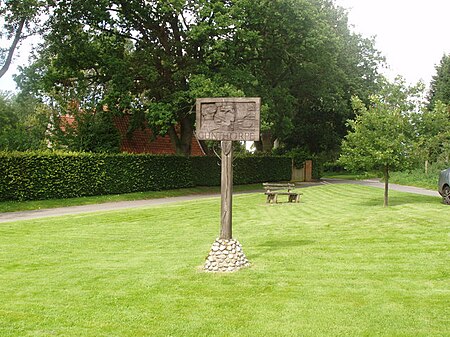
(34, 176)
(246, 170)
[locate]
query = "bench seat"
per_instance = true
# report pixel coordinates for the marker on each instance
(275, 189)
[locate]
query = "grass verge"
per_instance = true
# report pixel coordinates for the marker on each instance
(416, 178)
(336, 264)
(349, 175)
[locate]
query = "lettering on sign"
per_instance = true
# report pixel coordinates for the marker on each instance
(233, 119)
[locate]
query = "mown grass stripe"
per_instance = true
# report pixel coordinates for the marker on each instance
(319, 268)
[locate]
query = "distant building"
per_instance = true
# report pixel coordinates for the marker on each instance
(141, 140)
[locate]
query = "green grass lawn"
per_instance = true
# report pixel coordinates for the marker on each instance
(336, 264)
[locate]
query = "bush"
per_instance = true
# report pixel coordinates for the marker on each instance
(246, 170)
(258, 169)
(46, 175)
(125, 173)
(418, 177)
(206, 171)
(49, 175)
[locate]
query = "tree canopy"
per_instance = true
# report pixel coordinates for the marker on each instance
(23, 123)
(20, 19)
(152, 59)
(381, 135)
(440, 83)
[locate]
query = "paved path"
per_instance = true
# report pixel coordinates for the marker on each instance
(110, 206)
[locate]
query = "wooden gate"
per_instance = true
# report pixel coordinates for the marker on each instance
(304, 173)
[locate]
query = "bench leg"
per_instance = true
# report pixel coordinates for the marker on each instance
(297, 199)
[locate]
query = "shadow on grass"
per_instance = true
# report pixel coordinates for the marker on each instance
(400, 199)
(274, 245)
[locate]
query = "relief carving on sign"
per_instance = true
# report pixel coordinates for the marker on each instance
(235, 119)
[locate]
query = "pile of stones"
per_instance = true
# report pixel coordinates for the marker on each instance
(226, 256)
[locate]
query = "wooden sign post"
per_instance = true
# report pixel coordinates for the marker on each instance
(227, 120)
(226, 189)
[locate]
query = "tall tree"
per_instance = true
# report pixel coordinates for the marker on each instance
(23, 123)
(380, 135)
(432, 134)
(153, 58)
(135, 57)
(342, 65)
(440, 83)
(20, 19)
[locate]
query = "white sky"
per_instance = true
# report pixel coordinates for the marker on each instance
(413, 35)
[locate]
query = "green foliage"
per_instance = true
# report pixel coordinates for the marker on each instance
(31, 176)
(47, 175)
(154, 58)
(432, 134)
(126, 173)
(418, 177)
(206, 171)
(246, 170)
(440, 83)
(380, 135)
(253, 169)
(23, 123)
(90, 131)
(20, 19)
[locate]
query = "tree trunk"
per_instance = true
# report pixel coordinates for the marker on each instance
(267, 141)
(12, 48)
(186, 133)
(208, 151)
(386, 186)
(181, 137)
(258, 146)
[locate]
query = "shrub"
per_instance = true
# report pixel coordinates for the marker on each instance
(258, 169)
(47, 175)
(246, 170)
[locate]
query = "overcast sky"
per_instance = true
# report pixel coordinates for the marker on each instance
(413, 35)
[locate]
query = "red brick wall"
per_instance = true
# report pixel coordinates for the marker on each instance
(140, 141)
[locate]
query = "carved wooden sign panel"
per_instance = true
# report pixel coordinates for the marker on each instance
(232, 119)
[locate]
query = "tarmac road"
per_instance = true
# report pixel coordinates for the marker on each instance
(43, 213)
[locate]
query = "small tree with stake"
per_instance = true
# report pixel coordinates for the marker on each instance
(379, 135)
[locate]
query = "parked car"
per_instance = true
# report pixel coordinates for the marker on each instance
(444, 186)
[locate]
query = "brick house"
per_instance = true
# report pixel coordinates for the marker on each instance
(141, 140)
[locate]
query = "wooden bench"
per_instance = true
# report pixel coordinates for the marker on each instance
(274, 190)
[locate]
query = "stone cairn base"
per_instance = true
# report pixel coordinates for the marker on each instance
(226, 256)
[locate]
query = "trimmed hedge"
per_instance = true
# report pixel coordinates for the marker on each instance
(49, 175)
(246, 170)
(259, 169)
